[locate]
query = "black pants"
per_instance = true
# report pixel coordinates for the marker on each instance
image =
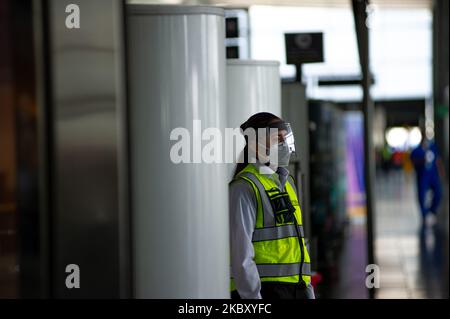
(278, 290)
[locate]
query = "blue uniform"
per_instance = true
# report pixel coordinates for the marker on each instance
(424, 160)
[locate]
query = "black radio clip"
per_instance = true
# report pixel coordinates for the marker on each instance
(282, 206)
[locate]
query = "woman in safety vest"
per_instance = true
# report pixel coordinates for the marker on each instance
(269, 258)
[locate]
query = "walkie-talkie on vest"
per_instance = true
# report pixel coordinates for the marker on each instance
(284, 213)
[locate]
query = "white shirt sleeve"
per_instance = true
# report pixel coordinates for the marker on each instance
(243, 206)
(310, 291)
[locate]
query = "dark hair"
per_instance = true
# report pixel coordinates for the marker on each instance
(256, 121)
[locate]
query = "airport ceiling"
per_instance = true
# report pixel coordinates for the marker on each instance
(303, 3)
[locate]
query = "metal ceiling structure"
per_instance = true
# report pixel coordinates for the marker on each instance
(301, 3)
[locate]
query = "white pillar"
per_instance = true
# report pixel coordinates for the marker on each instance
(180, 211)
(253, 86)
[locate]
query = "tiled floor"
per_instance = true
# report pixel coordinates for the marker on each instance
(353, 262)
(413, 260)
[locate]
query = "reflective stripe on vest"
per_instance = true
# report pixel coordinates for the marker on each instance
(269, 216)
(277, 232)
(283, 270)
(291, 182)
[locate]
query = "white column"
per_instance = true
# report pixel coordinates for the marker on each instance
(180, 211)
(253, 86)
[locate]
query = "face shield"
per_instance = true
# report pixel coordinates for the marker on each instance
(282, 144)
(274, 144)
(289, 138)
(284, 135)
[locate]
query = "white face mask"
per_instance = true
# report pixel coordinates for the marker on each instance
(278, 154)
(283, 154)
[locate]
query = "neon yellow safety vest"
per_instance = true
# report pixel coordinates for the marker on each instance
(277, 248)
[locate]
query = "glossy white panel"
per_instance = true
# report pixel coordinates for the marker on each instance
(180, 211)
(253, 86)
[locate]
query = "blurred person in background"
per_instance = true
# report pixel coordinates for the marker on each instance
(397, 160)
(386, 155)
(429, 172)
(408, 166)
